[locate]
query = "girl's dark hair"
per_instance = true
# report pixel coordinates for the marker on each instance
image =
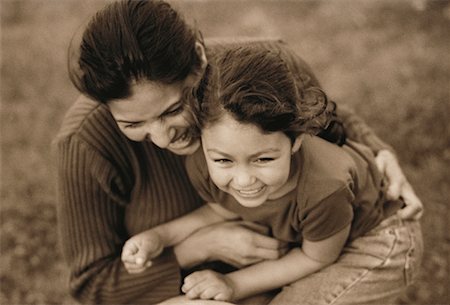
(255, 86)
(129, 41)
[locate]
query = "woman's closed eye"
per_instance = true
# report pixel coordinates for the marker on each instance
(133, 125)
(174, 111)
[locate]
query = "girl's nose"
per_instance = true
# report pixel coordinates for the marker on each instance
(244, 178)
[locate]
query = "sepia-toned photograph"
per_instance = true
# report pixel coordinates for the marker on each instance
(225, 152)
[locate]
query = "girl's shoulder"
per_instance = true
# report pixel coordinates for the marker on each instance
(326, 168)
(196, 164)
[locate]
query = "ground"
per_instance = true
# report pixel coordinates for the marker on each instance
(389, 60)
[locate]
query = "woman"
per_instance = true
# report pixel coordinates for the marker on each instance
(120, 158)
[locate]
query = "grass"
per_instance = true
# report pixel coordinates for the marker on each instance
(389, 60)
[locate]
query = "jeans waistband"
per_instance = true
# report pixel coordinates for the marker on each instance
(392, 221)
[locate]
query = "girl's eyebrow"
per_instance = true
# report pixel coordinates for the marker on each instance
(255, 155)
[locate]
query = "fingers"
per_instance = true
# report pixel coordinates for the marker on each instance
(194, 284)
(255, 227)
(134, 269)
(134, 259)
(414, 206)
(128, 252)
(380, 161)
(262, 253)
(206, 285)
(394, 189)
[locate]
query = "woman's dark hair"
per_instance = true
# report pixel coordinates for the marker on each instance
(129, 41)
(255, 86)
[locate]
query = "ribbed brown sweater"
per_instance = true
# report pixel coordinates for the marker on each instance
(111, 188)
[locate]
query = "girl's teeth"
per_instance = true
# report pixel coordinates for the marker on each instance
(251, 192)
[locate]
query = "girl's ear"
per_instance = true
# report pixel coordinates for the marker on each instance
(200, 49)
(297, 144)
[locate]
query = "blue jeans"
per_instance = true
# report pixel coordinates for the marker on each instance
(372, 269)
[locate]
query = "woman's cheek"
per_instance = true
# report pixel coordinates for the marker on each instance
(136, 136)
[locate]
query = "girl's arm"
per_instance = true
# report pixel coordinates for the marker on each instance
(139, 251)
(268, 275)
(175, 231)
(298, 263)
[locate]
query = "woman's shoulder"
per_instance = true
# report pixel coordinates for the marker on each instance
(88, 120)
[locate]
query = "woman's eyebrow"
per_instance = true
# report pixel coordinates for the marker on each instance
(168, 109)
(128, 122)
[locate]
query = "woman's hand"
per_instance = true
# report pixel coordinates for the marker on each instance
(398, 187)
(236, 243)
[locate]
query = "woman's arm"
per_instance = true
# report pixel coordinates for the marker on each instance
(92, 232)
(357, 130)
(267, 275)
(236, 243)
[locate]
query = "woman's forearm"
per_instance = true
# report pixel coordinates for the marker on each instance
(357, 130)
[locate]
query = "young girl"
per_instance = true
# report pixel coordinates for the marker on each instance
(261, 162)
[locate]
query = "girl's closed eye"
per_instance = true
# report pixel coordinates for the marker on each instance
(264, 160)
(222, 161)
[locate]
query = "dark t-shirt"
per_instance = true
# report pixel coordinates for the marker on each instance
(336, 186)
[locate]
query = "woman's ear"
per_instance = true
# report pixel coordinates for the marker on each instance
(297, 144)
(200, 49)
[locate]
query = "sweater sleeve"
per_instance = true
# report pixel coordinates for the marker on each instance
(353, 126)
(92, 233)
(357, 130)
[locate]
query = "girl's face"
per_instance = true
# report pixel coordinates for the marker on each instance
(156, 112)
(245, 162)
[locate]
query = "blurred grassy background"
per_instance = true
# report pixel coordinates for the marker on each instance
(390, 60)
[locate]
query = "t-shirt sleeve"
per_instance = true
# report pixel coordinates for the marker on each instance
(197, 170)
(329, 216)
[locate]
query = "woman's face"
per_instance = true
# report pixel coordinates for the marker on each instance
(250, 165)
(156, 112)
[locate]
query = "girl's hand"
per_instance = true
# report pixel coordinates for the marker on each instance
(236, 243)
(140, 249)
(208, 285)
(398, 187)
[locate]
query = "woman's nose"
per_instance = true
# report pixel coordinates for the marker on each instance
(160, 134)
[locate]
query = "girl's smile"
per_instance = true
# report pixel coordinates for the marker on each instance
(243, 161)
